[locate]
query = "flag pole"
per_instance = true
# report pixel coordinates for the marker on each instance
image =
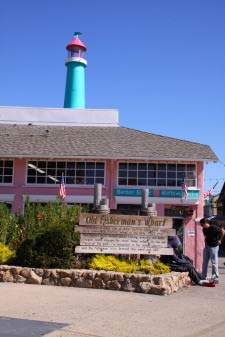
(210, 191)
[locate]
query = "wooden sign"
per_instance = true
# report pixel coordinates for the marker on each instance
(124, 234)
(126, 230)
(124, 241)
(124, 220)
(123, 250)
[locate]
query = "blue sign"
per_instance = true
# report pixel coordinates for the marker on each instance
(137, 192)
(192, 194)
(171, 193)
(126, 192)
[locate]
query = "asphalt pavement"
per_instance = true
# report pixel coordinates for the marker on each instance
(50, 311)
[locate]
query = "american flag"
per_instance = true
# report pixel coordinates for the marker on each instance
(184, 188)
(209, 192)
(62, 189)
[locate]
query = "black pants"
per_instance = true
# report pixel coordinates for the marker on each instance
(186, 266)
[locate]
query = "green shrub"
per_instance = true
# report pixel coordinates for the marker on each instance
(112, 263)
(25, 254)
(19, 231)
(7, 227)
(52, 249)
(5, 253)
(38, 218)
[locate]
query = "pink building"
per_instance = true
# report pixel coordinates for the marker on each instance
(88, 146)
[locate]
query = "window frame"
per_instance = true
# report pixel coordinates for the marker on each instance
(68, 170)
(3, 175)
(159, 174)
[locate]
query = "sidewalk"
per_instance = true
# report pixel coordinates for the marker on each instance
(192, 312)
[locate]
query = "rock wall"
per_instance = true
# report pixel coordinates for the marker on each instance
(164, 284)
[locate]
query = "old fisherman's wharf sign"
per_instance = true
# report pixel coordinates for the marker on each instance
(123, 234)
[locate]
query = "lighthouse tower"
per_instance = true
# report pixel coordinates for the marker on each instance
(75, 78)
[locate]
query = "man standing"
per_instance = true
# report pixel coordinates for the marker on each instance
(213, 237)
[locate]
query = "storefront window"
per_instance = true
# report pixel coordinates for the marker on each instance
(6, 171)
(78, 173)
(156, 174)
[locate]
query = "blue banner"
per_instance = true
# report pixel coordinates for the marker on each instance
(126, 192)
(137, 192)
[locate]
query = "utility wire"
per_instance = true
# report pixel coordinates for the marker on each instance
(222, 179)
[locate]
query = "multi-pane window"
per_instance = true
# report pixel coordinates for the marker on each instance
(79, 173)
(6, 171)
(156, 174)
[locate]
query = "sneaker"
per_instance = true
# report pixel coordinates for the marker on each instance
(215, 279)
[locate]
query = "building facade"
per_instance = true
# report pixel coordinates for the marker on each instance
(38, 145)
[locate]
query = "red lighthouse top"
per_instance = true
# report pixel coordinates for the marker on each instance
(76, 45)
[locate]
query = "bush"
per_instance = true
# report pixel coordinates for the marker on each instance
(112, 263)
(7, 228)
(37, 218)
(5, 253)
(25, 254)
(161, 268)
(52, 249)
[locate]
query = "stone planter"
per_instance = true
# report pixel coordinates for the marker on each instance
(164, 284)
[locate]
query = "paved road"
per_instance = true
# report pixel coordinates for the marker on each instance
(192, 312)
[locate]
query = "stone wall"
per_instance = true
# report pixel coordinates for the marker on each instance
(165, 284)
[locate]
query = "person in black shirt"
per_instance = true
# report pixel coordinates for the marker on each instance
(213, 237)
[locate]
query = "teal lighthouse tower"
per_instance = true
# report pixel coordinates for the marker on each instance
(75, 78)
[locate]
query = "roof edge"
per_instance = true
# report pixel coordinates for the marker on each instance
(116, 157)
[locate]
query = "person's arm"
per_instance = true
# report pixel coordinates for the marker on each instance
(180, 260)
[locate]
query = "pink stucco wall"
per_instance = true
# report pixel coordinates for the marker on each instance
(199, 243)
(193, 243)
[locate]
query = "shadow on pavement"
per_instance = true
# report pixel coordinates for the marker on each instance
(14, 327)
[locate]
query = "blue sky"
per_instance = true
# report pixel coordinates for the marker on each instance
(160, 63)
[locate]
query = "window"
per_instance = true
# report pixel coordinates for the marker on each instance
(6, 171)
(78, 173)
(156, 174)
